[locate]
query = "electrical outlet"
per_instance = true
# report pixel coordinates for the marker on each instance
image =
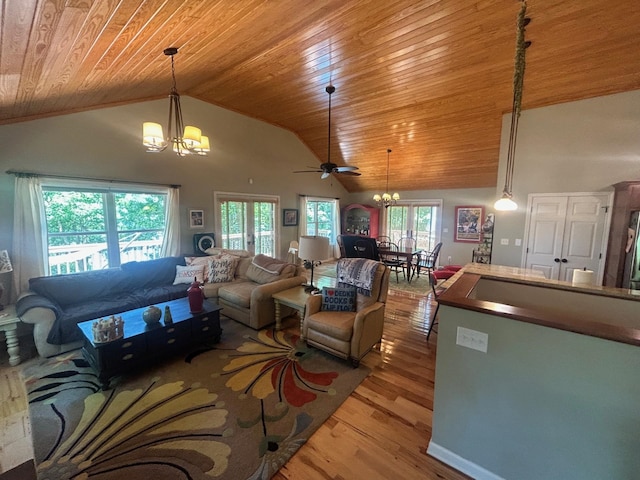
(472, 339)
(504, 241)
(449, 259)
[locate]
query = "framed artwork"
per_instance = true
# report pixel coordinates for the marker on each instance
(469, 224)
(196, 218)
(289, 217)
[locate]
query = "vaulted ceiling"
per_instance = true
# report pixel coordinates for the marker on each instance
(428, 79)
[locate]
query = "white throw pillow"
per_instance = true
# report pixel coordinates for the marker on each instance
(222, 269)
(201, 261)
(187, 273)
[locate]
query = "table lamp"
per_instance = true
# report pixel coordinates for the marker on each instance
(5, 267)
(312, 250)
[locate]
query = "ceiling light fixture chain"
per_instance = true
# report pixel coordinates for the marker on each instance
(184, 140)
(386, 200)
(506, 201)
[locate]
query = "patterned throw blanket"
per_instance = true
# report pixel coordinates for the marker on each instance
(358, 272)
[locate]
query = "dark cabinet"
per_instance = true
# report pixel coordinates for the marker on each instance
(358, 219)
(623, 246)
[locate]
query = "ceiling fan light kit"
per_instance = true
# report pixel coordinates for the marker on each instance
(185, 140)
(386, 200)
(506, 202)
(327, 168)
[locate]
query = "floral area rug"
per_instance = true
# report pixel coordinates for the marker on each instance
(235, 410)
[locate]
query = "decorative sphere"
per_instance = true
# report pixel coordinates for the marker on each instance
(152, 314)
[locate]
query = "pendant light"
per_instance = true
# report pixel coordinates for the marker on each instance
(184, 140)
(506, 201)
(386, 200)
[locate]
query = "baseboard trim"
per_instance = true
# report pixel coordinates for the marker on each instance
(461, 464)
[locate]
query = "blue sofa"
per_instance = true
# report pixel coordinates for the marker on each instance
(56, 304)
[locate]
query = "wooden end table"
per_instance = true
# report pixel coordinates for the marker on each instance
(295, 298)
(8, 324)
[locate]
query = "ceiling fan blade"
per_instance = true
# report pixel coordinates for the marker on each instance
(325, 175)
(346, 168)
(349, 172)
(307, 171)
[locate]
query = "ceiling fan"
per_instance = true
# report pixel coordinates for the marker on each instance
(327, 168)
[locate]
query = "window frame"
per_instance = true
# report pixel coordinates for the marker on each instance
(108, 191)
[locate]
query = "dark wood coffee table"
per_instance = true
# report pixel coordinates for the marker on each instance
(142, 343)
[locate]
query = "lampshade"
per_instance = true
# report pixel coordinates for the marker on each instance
(152, 135)
(204, 147)
(505, 204)
(313, 248)
(191, 136)
(5, 262)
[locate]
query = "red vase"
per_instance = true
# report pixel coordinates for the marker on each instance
(196, 297)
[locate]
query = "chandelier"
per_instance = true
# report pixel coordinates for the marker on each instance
(386, 200)
(506, 201)
(184, 140)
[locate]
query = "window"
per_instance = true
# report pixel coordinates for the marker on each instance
(321, 216)
(94, 228)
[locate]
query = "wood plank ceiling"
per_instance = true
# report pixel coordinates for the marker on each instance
(429, 79)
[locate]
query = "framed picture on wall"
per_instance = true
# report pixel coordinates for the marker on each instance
(469, 224)
(196, 218)
(289, 217)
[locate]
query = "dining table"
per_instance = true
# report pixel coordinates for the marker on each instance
(410, 256)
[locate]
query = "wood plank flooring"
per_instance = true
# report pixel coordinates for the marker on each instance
(383, 429)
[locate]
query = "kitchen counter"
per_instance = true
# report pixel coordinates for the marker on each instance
(525, 295)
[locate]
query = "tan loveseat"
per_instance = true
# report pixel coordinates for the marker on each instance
(248, 297)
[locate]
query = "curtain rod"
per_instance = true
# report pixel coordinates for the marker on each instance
(18, 173)
(317, 196)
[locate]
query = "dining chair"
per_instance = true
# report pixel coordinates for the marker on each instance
(409, 243)
(433, 281)
(365, 249)
(428, 260)
(391, 259)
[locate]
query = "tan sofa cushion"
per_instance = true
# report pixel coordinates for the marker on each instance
(268, 273)
(238, 293)
(333, 324)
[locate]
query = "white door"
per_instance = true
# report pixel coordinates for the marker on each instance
(566, 232)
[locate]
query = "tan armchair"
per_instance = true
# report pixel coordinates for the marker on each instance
(349, 335)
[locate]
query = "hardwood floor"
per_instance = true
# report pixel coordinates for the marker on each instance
(382, 430)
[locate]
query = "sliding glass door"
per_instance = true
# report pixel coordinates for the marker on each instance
(247, 223)
(419, 219)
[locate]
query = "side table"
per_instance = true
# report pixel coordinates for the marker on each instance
(295, 298)
(9, 324)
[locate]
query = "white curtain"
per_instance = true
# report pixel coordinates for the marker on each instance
(302, 223)
(171, 242)
(336, 229)
(29, 254)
